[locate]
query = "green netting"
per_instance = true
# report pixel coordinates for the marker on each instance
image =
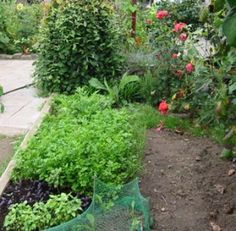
(120, 208)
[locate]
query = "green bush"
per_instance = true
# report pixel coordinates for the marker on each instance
(58, 209)
(84, 137)
(78, 42)
(19, 26)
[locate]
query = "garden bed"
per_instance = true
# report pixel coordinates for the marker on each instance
(32, 192)
(72, 145)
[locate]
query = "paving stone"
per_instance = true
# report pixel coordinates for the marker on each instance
(22, 107)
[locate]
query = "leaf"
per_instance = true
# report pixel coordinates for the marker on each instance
(232, 3)
(126, 79)
(1, 108)
(219, 5)
(97, 84)
(229, 28)
(1, 90)
(91, 219)
(232, 88)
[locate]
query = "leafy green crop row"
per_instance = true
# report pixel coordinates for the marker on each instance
(84, 137)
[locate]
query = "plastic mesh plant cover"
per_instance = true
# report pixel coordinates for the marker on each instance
(119, 208)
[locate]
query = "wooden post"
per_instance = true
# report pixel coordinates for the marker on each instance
(134, 19)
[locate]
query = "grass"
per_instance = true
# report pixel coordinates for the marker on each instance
(2, 137)
(17, 142)
(152, 118)
(3, 166)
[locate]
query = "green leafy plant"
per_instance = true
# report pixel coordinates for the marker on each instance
(125, 90)
(19, 26)
(58, 209)
(1, 105)
(229, 23)
(84, 136)
(88, 45)
(183, 11)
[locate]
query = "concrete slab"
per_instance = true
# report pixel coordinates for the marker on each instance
(22, 107)
(15, 73)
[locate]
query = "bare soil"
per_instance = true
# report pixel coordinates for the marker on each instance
(188, 184)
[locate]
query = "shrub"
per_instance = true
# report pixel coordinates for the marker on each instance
(58, 209)
(84, 137)
(19, 26)
(184, 11)
(78, 41)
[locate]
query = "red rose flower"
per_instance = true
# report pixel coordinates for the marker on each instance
(190, 67)
(163, 107)
(179, 26)
(174, 56)
(162, 14)
(183, 37)
(149, 21)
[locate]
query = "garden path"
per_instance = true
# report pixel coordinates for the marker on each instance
(22, 107)
(189, 185)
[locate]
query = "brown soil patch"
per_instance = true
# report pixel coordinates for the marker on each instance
(188, 183)
(6, 148)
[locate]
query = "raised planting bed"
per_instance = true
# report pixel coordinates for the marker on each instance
(83, 136)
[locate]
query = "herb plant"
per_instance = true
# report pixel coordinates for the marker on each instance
(58, 209)
(84, 137)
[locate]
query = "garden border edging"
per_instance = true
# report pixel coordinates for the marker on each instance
(5, 178)
(18, 56)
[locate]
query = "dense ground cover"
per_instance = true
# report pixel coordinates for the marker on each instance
(83, 137)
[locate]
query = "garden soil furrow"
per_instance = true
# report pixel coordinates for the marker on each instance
(188, 183)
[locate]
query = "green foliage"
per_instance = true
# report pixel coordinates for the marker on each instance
(1, 105)
(78, 41)
(58, 209)
(125, 90)
(229, 27)
(183, 11)
(19, 26)
(145, 114)
(84, 137)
